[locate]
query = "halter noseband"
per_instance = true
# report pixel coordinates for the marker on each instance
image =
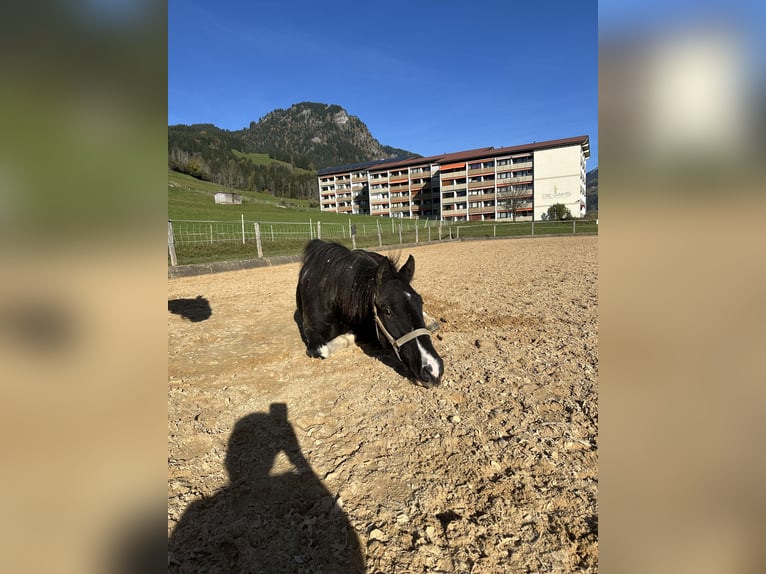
(397, 343)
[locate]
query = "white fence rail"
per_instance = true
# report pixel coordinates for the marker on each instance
(198, 240)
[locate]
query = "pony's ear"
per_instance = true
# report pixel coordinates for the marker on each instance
(383, 273)
(408, 269)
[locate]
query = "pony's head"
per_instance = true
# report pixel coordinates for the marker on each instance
(398, 311)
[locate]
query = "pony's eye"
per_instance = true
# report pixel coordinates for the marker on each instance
(386, 311)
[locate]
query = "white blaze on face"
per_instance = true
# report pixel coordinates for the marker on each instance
(428, 360)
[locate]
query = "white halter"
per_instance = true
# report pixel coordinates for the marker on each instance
(397, 343)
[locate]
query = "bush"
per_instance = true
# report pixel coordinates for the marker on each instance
(558, 212)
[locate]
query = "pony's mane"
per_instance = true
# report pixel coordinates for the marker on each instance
(352, 272)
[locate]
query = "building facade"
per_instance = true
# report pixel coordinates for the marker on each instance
(515, 183)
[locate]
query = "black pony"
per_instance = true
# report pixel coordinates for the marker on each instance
(343, 293)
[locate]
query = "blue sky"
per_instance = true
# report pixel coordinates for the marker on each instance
(429, 77)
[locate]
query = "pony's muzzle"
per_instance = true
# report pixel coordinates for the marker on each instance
(428, 377)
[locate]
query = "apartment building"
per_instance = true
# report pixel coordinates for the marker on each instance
(509, 183)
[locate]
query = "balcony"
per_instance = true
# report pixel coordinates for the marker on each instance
(482, 197)
(514, 195)
(518, 179)
(481, 209)
(481, 171)
(453, 199)
(452, 173)
(454, 186)
(481, 184)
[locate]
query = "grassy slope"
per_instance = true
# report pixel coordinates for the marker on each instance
(192, 199)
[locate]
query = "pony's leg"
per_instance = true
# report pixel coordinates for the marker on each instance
(334, 345)
(321, 336)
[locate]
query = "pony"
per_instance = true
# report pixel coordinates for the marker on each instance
(343, 295)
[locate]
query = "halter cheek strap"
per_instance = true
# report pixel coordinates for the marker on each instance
(397, 343)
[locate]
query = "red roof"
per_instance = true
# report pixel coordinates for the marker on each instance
(474, 154)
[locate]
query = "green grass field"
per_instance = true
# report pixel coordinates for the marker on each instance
(284, 225)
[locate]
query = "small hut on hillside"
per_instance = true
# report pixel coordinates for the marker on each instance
(228, 198)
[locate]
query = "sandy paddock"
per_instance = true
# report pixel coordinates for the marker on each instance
(281, 463)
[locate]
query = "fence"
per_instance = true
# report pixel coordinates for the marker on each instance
(510, 229)
(204, 241)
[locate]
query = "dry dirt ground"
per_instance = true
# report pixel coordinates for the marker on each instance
(282, 463)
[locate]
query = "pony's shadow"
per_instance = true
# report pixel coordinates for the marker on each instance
(194, 310)
(370, 347)
(263, 520)
(388, 358)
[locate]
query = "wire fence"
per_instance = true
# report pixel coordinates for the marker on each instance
(204, 241)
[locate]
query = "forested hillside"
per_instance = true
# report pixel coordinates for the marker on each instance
(591, 191)
(221, 156)
(280, 153)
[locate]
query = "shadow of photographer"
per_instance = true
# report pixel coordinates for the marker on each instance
(265, 522)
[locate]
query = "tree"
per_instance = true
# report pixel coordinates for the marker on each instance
(558, 212)
(231, 174)
(517, 193)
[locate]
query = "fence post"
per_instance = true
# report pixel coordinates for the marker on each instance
(494, 230)
(429, 235)
(311, 229)
(319, 230)
(243, 228)
(211, 234)
(416, 233)
(400, 234)
(573, 225)
(440, 230)
(258, 239)
(171, 245)
(380, 237)
(533, 225)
